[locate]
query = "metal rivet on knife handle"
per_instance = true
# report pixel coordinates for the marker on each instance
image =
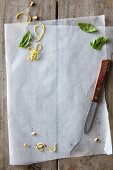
(100, 80)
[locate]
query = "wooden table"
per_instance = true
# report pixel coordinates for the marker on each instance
(51, 9)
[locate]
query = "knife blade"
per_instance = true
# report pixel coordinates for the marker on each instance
(104, 68)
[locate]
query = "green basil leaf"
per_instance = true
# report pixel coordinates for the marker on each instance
(87, 27)
(99, 42)
(25, 40)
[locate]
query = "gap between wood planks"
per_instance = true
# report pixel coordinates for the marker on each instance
(56, 16)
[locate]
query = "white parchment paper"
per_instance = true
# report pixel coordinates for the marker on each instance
(51, 96)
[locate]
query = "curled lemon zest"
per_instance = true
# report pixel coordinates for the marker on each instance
(42, 27)
(41, 147)
(53, 148)
(34, 52)
(24, 14)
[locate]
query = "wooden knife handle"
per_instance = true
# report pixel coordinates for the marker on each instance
(100, 80)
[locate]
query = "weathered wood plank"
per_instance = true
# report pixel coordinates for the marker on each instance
(45, 9)
(77, 8)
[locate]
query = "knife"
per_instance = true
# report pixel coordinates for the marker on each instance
(104, 68)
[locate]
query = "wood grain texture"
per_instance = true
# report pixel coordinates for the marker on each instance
(77, 8)
(45, 9)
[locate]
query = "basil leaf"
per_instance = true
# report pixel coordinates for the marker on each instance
(87, 27)
(25, 40)
(98, 43)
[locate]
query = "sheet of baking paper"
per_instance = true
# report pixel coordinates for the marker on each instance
(50, 96)
(87, 64)
(109, 45)
(109, 32)
(96, 20)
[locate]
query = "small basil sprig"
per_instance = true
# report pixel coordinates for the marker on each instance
(25, 40)
(87, 27)
(99, 42)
